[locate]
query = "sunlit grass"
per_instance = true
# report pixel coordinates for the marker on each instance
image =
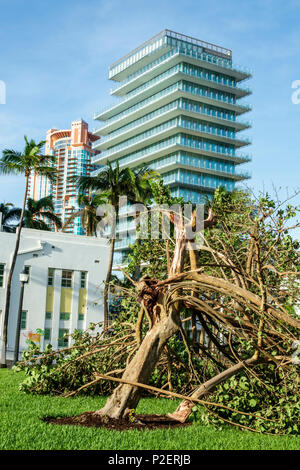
(21, 426)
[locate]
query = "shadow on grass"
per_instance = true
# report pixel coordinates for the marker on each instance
(139, 421)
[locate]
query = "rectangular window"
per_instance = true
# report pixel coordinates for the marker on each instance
(50, 277)
(47, 334)
(64, 316)
(48, 315)
(27, 271)
(23, 320)
(83, 276)
(80, 316)
(2, 267)
(66, 278)
(63, 339)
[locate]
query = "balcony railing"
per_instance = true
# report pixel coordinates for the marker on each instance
(142, 120)
(139, 105)
(174, 123)
(216, 96)
(163, 39)
(148, 117)
(203, 57)
(177, 104)
(178, 140)
(200, 163)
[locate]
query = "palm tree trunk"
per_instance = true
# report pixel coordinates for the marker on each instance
(9, 279)
(108, 276)
(89, 229)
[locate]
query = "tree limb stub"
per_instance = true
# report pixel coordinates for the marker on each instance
(185, 408)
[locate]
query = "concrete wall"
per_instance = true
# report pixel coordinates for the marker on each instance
(42, 250)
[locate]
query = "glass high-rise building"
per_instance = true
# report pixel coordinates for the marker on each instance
(178, 112)
(73, 151)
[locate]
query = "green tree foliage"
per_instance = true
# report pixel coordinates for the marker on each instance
(111, 183)
(10, 216)
(40, 215)
(88, 213)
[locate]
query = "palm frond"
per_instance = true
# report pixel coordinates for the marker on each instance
(12, 215)
(48, 171)
(14, 162)
(44, 203)
(92, 183)
(52, 218)
(11, 162)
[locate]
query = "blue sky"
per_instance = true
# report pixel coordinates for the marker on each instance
(54, 58)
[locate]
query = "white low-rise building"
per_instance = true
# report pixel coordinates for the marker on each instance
(65, 287)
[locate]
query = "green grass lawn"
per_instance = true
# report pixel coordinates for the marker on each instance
(21, 426)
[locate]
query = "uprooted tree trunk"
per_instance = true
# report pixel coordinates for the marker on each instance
(165, 323)
(126, 397)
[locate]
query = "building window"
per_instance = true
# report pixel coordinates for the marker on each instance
(48, 315)
(27, 271)
(50, 277)
(47, 334)
(80, 316)
(2, 266)
(83, 276)
(23, 320)
(64, 316)
(63, 339)
(66, 278)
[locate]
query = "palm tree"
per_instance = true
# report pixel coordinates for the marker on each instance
(88, 208)
(9, 214)
(113, 182)
(13, 162)
(40, 214)
(143, 177)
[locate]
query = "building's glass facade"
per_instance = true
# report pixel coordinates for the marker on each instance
(178, 112)
(73, 151)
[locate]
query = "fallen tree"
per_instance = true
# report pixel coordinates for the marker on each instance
(240, 286)
(243, 293)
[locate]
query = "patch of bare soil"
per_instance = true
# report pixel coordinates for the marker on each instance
(140, 422)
